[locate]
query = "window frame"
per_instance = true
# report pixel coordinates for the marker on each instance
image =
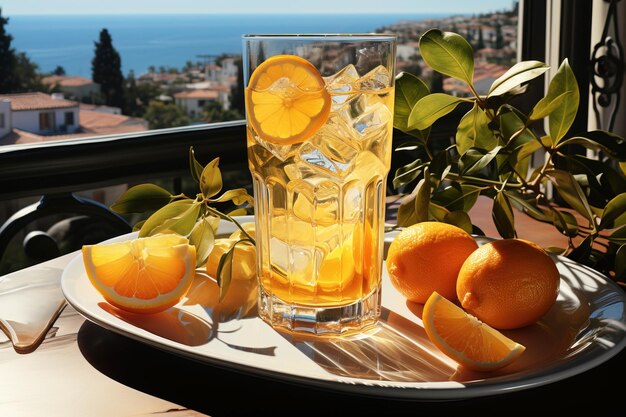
(71, 116)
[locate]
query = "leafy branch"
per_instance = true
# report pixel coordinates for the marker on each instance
(491, 155)
(193, 217)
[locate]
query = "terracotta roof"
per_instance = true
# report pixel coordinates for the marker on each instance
(66, 81)
(92, 123)
(36, 101)
(97, 123)
(200, 94)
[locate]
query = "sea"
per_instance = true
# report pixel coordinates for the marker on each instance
(168, 40)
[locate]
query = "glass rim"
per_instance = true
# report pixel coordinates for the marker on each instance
(325, 36)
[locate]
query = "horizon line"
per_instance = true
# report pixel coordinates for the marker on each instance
(240, 13)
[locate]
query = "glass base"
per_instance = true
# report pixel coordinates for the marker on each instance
(328, 321)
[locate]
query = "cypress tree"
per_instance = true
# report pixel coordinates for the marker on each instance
(7, 59)
(237, 90)
(106, 70)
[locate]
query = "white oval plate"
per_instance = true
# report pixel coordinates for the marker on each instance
(586, 327)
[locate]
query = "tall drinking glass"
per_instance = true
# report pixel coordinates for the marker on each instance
(319, 112)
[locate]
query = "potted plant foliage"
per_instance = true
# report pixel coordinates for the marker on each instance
(491, 151)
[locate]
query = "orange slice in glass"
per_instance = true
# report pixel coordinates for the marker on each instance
(286, 100)
(466, 339)
(143, 275)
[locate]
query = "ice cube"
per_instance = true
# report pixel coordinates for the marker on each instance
(367, 166)
(341, 85)
(377, 79)
(281, 152)
(316, 204)
(328, 154)
(373, 121)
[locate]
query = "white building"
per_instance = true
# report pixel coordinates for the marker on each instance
(78, 88)
(38, 113)
(194, 101)
(5, 117)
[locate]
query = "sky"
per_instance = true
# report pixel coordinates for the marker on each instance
(47, 7)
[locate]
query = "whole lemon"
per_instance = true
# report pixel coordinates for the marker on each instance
(241, 296)
(427, 257)
(508, 283)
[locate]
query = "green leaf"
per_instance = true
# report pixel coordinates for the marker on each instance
(138, 225)
(457, 196)
(437, 212)
(622, 166)
(194, 166)
(225, 271)
(555, 250)
(430, 108)
(409, 90)
(601, 176)
(620, 263)
(518, 74)
(238, 212)
(238, 197)
(502, 215)
(582, 251)
(414, 207)
(614, 214)
(422, 198)
(618, 236)
(202, 236)
(562, 117)
(440, 166)
(142, 198)
(211, 179)
(531, 147)
(571, 192)
(179, 217)
(460, 219)
(547, 105)
(513, 127)
(408, 173)
(564, 222)
(473, 131)
(598, 140)
(475, 160)
(448, 53)
(528, 206)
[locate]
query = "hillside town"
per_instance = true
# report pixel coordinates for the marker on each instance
(210, 90)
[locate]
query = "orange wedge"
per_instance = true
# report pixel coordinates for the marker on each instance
(466, 339)
(143, 275)
(286, 100)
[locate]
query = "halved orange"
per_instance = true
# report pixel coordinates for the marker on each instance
(466, 339)
(142, 275)
(286, 100)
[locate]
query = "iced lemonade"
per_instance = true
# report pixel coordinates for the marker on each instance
(319, 152)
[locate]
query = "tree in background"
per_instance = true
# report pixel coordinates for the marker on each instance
(160, 115)
(59, 70)
(236, 91)
(499, 44)
(132, 103)
(106, 70)
(18, 74)
(214, 112)
(27, 77)
(481, 42)
(7, 58)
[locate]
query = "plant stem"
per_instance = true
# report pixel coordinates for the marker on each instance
(481, 181)
(230, 219)
(534, 184)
